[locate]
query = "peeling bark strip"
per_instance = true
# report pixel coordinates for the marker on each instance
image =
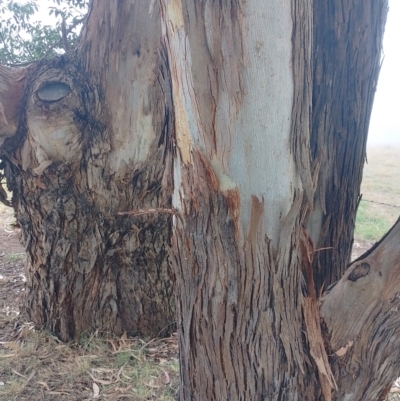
(311, 320)
(302, 97)
(142, 212)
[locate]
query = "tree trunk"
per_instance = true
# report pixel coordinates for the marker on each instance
(90, 146)
(247, 293)
(232, 133)
(347, 58)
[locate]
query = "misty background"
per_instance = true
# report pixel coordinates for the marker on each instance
(385, 120)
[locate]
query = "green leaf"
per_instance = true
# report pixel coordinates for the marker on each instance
(22, 39)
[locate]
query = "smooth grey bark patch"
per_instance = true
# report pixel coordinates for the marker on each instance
(53, 91)
(359, 271)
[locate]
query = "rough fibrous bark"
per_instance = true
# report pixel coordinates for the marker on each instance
(76, 161)
(347, 38)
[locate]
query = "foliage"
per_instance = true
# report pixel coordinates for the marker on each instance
(25, 38)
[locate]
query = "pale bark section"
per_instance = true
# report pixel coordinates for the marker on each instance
(241, 71)
(259, 161)
(362, 318)
(12, 81)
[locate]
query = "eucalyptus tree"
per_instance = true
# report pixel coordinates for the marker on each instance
(218, 147)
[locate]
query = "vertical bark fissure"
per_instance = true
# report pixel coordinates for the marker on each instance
(302, 77)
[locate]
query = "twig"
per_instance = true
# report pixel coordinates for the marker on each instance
(141, 212)
(64, 35)
(21, 64)
(323, 249)
(61, 41)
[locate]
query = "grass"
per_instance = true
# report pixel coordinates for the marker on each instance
(380, 187)
(39, 365)
(369, 226)
(14, 257)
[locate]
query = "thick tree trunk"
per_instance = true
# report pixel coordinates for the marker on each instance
(94, 141)
(207, 111)
(244, 188)
(246, 292)
(238, 257)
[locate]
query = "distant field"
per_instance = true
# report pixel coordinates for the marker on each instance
(381, 183)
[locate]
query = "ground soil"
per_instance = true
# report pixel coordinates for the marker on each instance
(359, 248)
(12, 277)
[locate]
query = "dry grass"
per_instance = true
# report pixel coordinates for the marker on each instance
(37, 366)
(382, 173)
(381, 185)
